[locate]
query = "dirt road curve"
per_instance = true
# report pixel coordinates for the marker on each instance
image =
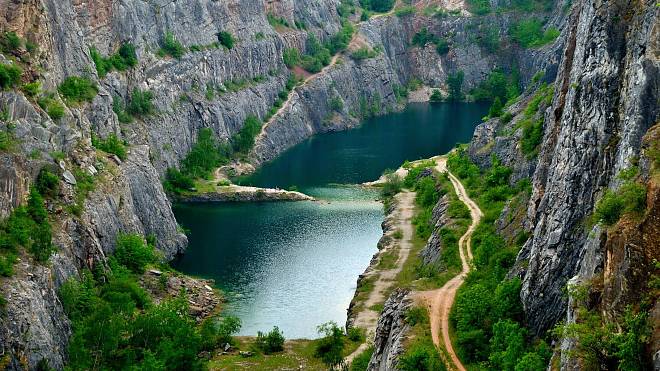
(439, 302)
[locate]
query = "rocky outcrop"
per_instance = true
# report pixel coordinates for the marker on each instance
(432, 252)
(606, 99)
(391, 332)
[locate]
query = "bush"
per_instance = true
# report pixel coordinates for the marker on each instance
(77, 89)
(47, 183)
(32, 89)
(393, 185)
(10, 42)
(532, 136)
(226, 39)
(364, 53)
(329, 348)
(10, 75)
(119, 109)
(53, 107)
(122, 60)
(177, 182)
(421, 357)
(171, 46)
(133, 253)
(112, 144)
(141, 103)
(356, 334)
(337, 104)
(417, 315)
(479, 7)
(291, 57)
(436, 96)
(631, 197)
(271, 342)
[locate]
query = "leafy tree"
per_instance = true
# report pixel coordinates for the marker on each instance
(329, 348)
(216, 333)
(421, 357)
(47, 183)
(111, 144)
(243, 141)
(361, 361)
(455, 84)
(507, 345)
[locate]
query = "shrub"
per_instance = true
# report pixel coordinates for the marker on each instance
(291, 57)
(364, 53)
(112, 144)
(442, 46)
(421, 357)
(393, 185)
(177, 182)
(479, 7)
(47, 183)
(337, 104)
(424, 37)
(77, 89)
(32, 89)
(405, 11)
(496, 108)
(122, 60)
(630, 197)
(226, 39)
(10, 75)
(141, 103)
(271, 342)
(119, 109)
(329, 348)
(532, 136)
(355, 334)
(171, 46)
(53, 107)
(417, 315)
(529, 33)
(436, 96)
(10, 42)
(133, 253)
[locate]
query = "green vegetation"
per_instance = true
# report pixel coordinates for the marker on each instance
(455, 86)
(533, 128)
(140, 104)
(529, 33)
(630, 198)
(366, 53)
(319, 55)
(244, 139)
(436, 96)
(27, 227)
(278, 22)
(8, 141)
(216, 333)
(497, 85)
(330, 347)
(487, 315)
(424, 37)
(291, 57)
(405, 11)
(10, 75)
(32, 89)
(84, 185)
(52, 105)
(271, 342)
(77, 89)
(361, 361)
(614, 344)
(112, 144)
(479, 7)
(421, 354)
(380, 6)
(170, 46)
(336, 104)
(117, 326)
(226, 39)
(10, 42)
(47, 183)
(133, 253)
(122, 60)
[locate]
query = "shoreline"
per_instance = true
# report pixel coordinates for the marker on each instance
(236, 193)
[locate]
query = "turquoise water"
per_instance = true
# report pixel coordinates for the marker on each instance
(295, 264)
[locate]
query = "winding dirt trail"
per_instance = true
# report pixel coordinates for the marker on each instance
(439, 302)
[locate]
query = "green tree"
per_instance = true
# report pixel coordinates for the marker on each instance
(291, 57)
(78, 89)
(329, 348)
(243, 141)
(455, 85)
(141, 103)
(226, 39)
(436, 96)
(271, 342)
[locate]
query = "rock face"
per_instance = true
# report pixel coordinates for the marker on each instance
(432, 252)
(391, 332)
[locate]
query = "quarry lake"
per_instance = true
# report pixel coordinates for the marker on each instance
(295, 264)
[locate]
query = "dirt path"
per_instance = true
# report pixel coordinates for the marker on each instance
(367, 318)
(439, 302)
